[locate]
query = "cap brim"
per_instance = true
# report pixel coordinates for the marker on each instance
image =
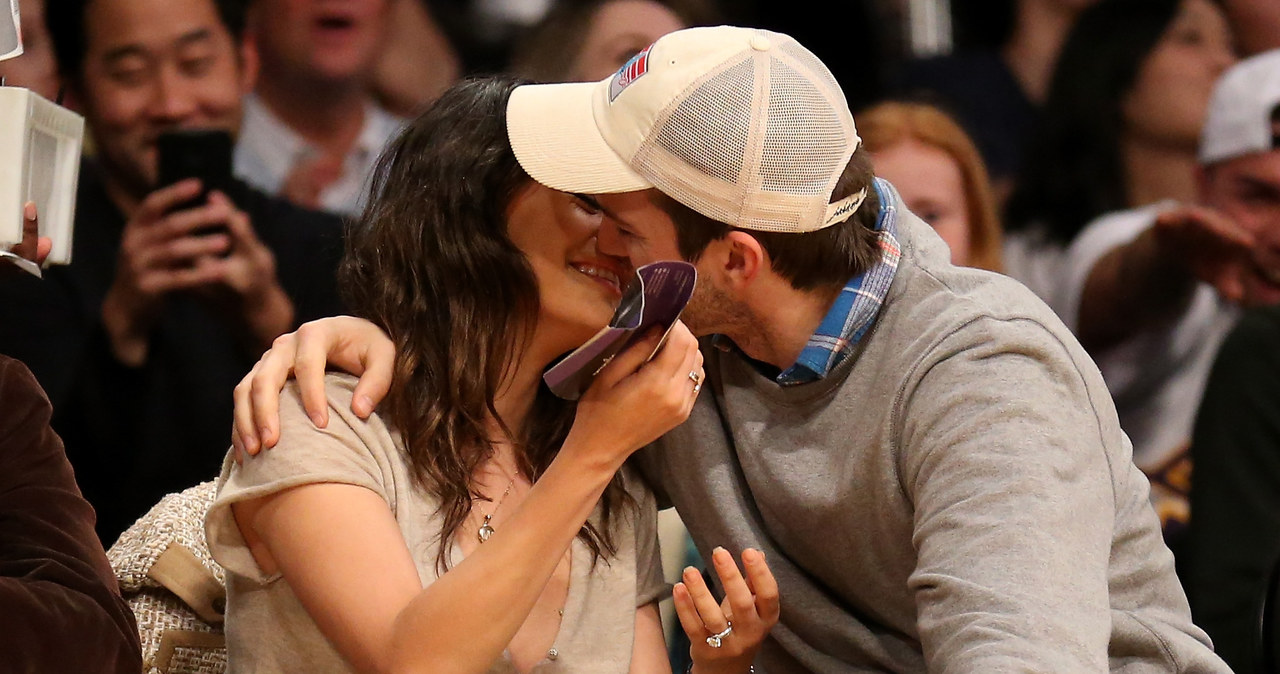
(556, 139)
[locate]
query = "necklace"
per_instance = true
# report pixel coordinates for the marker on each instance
(486, 530)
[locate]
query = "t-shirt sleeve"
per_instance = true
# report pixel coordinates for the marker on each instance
(650, 585)
(347, 451)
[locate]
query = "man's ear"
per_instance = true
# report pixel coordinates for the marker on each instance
(741, 259)
(249, 62)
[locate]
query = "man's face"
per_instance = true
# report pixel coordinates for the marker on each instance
(635, 228)
(321, 40)
(1247, 189)
(151, 66)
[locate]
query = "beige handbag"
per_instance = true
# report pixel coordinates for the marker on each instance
(176, 590)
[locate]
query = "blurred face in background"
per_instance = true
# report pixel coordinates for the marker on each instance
(35, 69)
(618, 31)
(320, 41)
(151, 66)
(1247, 189)
(932, 186)
(1170, 96)
(1256, 24)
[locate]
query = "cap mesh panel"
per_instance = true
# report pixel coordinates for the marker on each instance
(720, 109)
(698, 149)
(803, 140)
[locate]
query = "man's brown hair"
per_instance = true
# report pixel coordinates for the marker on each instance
(827, 257)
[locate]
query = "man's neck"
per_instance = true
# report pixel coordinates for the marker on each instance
(780, 322)
(329, 116)
(1032, 51)
(1158, 172)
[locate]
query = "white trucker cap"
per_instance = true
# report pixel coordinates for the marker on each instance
(745, 126)
(1239, 119)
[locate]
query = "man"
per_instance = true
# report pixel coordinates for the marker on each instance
(927, 458)
(56, 586)
(312, 131)
(1152, 291)
(140, 340)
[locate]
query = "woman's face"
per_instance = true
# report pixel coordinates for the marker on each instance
(1168, 100)
(932, 186)
(618, 31)
(578, 288)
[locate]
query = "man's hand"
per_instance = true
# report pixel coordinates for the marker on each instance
(350, 344)
(33, 247)
(1208, 245)
(163, 250)
(312, 173)
(248, 275)
(159, 253)
(1151, 278)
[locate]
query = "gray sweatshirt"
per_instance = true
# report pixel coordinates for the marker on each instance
(957, 496)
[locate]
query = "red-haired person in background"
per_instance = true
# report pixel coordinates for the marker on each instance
(940, 175)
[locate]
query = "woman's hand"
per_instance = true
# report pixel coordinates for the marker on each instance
(725, 637)
(632, 402)
(349, 344)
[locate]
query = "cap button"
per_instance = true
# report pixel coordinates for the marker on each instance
(760, 43)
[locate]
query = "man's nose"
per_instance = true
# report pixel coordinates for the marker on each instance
(609, 240)
(174, 97)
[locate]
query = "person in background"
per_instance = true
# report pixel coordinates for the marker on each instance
(35, 69)
(589, 40)
(60, 604)
(417, 63)
(1152, 291)
(1118, 130)
(1232, 544)
(934, 165)
(996, 93)
(141, 339)
(312, 131)
(1256, 24)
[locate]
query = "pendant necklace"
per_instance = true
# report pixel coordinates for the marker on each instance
(486, 529)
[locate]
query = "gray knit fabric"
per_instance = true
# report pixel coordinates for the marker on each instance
(956, 497)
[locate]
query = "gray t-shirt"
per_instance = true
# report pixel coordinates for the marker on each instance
(956, 496)
(267, 628)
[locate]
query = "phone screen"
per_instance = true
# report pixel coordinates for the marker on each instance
(195, 153)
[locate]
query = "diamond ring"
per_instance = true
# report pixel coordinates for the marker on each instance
(715, 639)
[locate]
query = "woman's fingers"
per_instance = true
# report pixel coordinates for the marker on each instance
(763, 585)
(704, 602)
(627, 361)
(736, 592)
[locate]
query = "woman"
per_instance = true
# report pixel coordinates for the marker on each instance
(477, 523)
(937, 170)
(1119, 128)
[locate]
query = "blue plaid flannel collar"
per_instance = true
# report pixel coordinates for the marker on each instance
(855, 309)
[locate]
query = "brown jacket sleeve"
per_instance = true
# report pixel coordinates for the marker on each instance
(60, 605)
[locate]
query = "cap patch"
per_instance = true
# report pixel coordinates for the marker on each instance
(630, 72)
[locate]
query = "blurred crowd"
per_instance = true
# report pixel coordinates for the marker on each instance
(1102, 152)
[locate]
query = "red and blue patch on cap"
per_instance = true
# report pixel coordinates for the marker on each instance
(630, 72)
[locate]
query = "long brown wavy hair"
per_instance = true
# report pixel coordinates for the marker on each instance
(430, 262)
